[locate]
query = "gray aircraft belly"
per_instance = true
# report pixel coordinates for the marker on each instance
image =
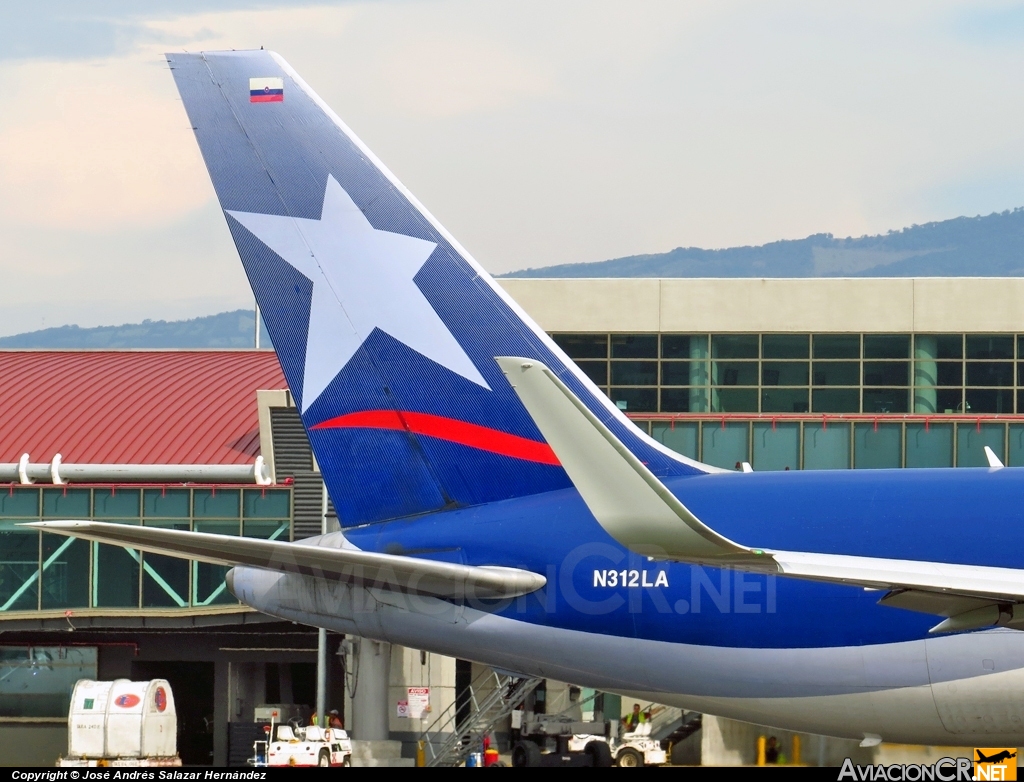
(884, 689)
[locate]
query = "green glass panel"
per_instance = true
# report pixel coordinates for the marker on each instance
(826, 447)
(597, 371)
(836, 400)
(971, 442)
(165, 503)
(784, 400)
(65, 572)
(583, 345)
(979, 346)
(208, 580)
(634, 345)
(65, 503)
(634, 373)
(734, 400)
(210, 586)
(685, 373)
(776, 447)
(116, 503)
(944, 345)
(1015, 457)
(276, 530)
(116, 577)
(684, 345)
(37, 681)
(886, 346)
(726, 447)
(267, 504)
(216, 503)
(165, 579)
(886, 400)
(684, 400)
(635, 400)
(164, 582)
(989, 373)
(681, 438)
(989, 400)
(937, 400)
(886, 373)
(836, 373)
(785, 373)
(949, 373)
(19, 568)
(785, 345)
(734, 373)
(877, 446)
(18, 502)
(836, 346)
(734, 345)
(221, 527)
(929, 446)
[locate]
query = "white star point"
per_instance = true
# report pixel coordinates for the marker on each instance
(362, 279)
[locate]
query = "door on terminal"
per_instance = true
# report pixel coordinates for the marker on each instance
(192, 685)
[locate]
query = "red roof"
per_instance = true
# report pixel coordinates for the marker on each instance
(134, 407)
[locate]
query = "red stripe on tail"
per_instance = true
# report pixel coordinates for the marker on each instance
(450, 429)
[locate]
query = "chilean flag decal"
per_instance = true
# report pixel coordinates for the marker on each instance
(266, 90)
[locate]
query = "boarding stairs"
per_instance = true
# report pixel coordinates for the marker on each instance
(670, 725)
(459, 730)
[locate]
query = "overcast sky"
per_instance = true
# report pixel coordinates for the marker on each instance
(537, 132)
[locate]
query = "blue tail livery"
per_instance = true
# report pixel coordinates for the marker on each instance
(386, 328)
(856, 603)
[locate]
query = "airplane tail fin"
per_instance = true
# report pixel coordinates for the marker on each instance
(387, 330)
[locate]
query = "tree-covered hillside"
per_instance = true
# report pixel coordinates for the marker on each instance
(990, 246)
(225, 330)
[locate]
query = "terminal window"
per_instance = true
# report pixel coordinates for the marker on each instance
(40, 571)
(804, 373)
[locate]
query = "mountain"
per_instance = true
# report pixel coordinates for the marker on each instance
(224, 330)
(990, 246)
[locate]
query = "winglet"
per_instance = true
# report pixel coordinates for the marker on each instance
(993, 460)
(626, 498)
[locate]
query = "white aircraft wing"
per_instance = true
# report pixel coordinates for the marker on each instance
(365, 568)
(639, 511)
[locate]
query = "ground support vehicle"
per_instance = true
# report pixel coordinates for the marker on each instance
(310, 746)
(556, 740)
(637, 748)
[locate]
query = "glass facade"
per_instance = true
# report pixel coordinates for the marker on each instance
(838, 444)
(41, 571)
(805, 373)
(38, 680)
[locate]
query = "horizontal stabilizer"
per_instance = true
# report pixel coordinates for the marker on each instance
(987, 584)
(363, 568)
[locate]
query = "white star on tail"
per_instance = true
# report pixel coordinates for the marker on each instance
(362, 279)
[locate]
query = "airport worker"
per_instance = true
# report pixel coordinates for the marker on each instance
(771, 752)
(633, 720)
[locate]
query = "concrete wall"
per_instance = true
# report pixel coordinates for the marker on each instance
(973, 304)
(409, 669)
(732, 743)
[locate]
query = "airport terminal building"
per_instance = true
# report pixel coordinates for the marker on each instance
(780, 374)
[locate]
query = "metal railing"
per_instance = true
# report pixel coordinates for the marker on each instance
(459, 729)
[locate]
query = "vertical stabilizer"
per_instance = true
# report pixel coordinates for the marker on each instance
(385, 327)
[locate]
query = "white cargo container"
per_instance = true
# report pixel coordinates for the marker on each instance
(122, 722)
